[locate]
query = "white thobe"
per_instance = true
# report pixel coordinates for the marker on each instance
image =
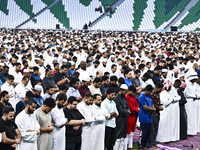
(18, 76)
(26, 122)
(175, 120)
(11, 91)
(164, 129)
(98, 127)
(58, 134)
(197, 105)
(21, 90)
(191, 109)
(86, 111)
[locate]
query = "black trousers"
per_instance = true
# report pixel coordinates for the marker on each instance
(145, 130)
(154, 130)
(110, 138)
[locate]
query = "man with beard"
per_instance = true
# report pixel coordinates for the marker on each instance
(82, 70)
(192, 70)
(35, 76)
(4, 74)
(9, 87)
(93, 69)
(21, 89)
(127, 77)
(61, 77)
(85, 109)
(49, 93)
(136, 82)
(83, 88)
(4, 101)
(95, 87)
(103, 65)
(21, 105)
(48, 81)
(44, 119)
(17, 73)
(59, 122)
(113, 84)
(145, 116)
(74, 125)
(104, 86)
(28, 126)
(122, 119)
(156, 75)
(73, 89)
(10, 133)
(110, 106)
(98, 126)
(37, 95)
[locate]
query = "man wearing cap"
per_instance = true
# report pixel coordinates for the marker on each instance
(37, 95)
(122, 120)
(83, 88)
(190, 106)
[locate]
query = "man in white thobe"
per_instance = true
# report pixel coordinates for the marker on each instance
(85, 109)
(9, 87)
(17, 73)
(59, 122)
(98, 126)
(190, 107)
(28, 126)
(164, 128)
(175, 128)
(22, 88)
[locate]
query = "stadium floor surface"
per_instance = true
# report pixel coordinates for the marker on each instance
(193, 141)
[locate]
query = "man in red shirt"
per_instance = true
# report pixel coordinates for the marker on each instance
(134, 108)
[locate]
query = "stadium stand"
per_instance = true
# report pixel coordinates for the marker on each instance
(129, 15)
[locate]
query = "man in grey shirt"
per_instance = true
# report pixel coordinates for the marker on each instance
(136, 82)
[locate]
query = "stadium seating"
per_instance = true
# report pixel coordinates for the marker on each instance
(73, 14)
(191, 21)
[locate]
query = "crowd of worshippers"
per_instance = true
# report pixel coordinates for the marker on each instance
(90, 90)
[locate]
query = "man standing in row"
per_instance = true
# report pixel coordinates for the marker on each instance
(122, 120)
(10, 133)
(44, 119)
(59, 122)
(74, 125)
(98, 126)
(85, 109)
(28, 126)
(110, 106)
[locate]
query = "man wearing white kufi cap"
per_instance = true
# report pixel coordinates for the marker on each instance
(103, 65)
(122, 120)
(191, 96)
(37, 95)
(83, 88)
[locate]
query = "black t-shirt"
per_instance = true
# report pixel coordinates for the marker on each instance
(9, 129)
(58, 77)
(47, 82)
(73, 136)
(2, 106)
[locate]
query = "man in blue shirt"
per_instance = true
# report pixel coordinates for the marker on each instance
(156, 75)
(35, 76)
(145, 116)
(37, 96)
(21, 105)
(4, 74)
(127, 77)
